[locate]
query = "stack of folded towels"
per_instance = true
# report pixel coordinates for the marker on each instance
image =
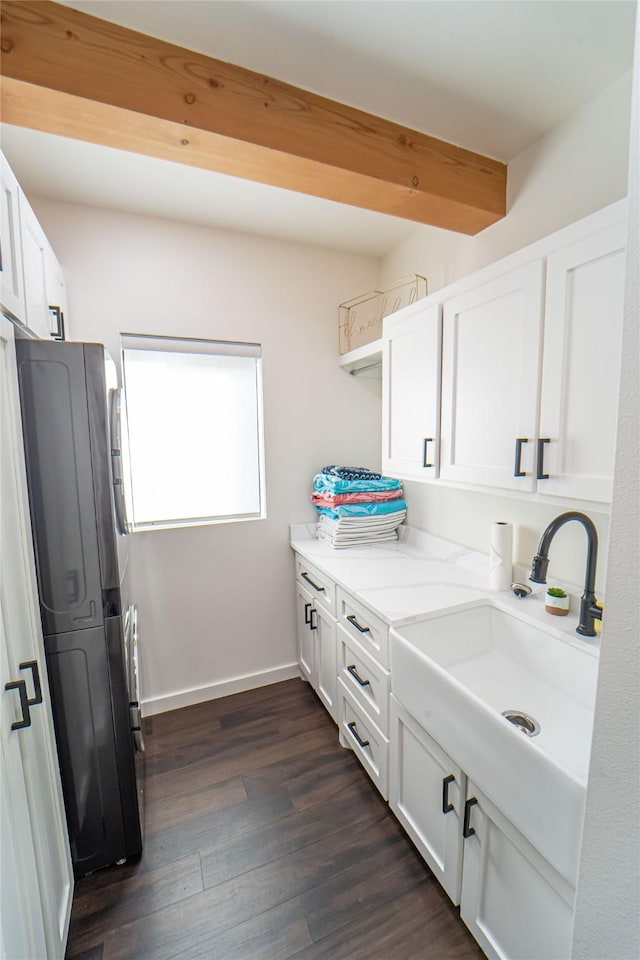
(357, 506)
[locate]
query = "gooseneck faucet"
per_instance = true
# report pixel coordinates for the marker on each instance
(588, 609)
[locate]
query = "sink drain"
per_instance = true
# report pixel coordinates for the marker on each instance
(523, 722)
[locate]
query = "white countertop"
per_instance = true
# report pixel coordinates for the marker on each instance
(419, 575)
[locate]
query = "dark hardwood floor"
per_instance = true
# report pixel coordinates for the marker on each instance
(264, 840)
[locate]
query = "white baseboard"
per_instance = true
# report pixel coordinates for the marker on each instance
(185, 698)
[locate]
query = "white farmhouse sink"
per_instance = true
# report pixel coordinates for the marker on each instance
(456, 674)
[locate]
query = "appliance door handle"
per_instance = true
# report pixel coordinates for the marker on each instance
(116, 462)
(37, 686)
(21, 687)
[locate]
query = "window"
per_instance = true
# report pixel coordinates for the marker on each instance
(195, 432)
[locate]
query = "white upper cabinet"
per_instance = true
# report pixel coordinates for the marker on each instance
(411, 393)
(492, 338)
(581, 366)
(34, 258)
(12, 296)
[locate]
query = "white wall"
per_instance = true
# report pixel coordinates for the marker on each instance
(577, 168)
(607, 921)
(217, 603)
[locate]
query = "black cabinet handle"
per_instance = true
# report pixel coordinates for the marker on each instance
(356, 676)
(446, 806)
(37, 688)
(58, 333)
(356, 736)
(21, 687)
(354, 623)
(540, 474)
(517, 468)
(468, 831)
(305, 576)
(313, 625)
(427, 441)
(307, 618)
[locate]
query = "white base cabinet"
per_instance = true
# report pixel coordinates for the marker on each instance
(514, 903)
(316, 636)
(512, 900)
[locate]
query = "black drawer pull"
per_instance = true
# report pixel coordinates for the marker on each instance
(307, 618)
(540, 474)
(425, 462)
(517, 468)
(356, 736)
(21, 687)
(354, 623)
(305, 576)
(468, 831)
(37, 687)
(356, 676)
(447, 807)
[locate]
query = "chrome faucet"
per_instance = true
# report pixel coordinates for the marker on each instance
(588, 609)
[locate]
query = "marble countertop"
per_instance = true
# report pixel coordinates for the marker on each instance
(419, 575)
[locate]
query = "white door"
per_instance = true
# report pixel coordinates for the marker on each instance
(324, 627)
(490, 381)
(12, 295)
(581, 366)
(411, 365)
(304, 606)
(24, 660)
(35, 247)
(426, 793)
(513, 902)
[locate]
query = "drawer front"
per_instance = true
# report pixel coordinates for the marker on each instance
(321, 588)
(366, 680)
(359, 733)
(368, 630)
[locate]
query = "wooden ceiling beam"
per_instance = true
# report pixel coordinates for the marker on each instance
(68, 73)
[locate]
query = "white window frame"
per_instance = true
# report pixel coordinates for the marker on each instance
(171, 345)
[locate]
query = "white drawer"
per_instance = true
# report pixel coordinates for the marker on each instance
(365, 679)
(370, 631)
(359, 733)
(321, 587)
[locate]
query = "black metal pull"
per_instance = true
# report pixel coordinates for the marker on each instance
(356, 676)
(307, 618)
(517, 468)
(356, 736)
(21, 687)
(37, 688)
(468, 831)
(354, 623)
(58, 333)
(540, 474)
(427, 441)
(313, 625)
(447, 807)
(305, 576)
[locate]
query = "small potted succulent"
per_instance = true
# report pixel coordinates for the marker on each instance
(556, 602)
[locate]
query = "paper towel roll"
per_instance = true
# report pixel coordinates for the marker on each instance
(501, 556)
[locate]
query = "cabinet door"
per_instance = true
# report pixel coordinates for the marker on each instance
(411, 364)
(304, 636)
(12, 296)
(56, 297)
(426, 793)
(581, 366)
(513, 901)
(24, 659)
(35, 248)
(490, 380)
(323, 626)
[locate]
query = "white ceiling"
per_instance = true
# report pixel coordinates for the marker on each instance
(490, 75)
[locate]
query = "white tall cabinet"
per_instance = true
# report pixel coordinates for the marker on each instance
(37, 884)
